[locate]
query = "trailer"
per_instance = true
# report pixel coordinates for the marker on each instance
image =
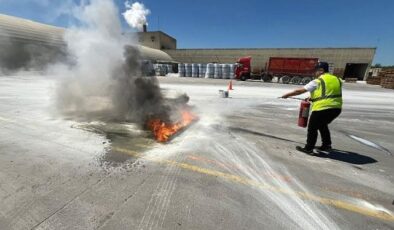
(285, 69)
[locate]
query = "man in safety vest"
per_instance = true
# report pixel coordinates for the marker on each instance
(326, 98)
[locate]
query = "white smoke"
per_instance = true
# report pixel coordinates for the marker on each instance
(103, 80)
(136, 14)
(96, 50)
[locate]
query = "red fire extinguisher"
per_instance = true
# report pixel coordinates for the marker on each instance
(304, 113)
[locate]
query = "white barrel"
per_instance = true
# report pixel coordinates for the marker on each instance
(226, 71)
(159, 70)
(181, 69)
(217, 71)
(188, 70)
(169, 68)
(210, 69)
(232, 71)
(163, 69)
(202, 69)
(195, 70)
(156, 68)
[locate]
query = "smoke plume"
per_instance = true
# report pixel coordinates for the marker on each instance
(136, 14)
(105, 81)
(25, 55)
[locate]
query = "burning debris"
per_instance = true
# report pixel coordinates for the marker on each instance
(164, 131)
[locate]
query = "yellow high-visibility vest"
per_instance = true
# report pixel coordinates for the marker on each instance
(328, 94)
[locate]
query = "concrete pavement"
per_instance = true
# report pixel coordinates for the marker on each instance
(236, 168)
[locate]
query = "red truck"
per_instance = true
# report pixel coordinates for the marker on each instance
(287, 70)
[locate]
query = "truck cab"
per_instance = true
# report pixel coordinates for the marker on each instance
(243, 68)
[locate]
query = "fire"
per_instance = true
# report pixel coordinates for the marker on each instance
(163, 131)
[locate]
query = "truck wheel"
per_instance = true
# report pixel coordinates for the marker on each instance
(285, 79)
(267, 78)
(243, 78)
(296, 80)
(306, 80)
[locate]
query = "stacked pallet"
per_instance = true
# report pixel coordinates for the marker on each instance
(388, 79)
(374, 80)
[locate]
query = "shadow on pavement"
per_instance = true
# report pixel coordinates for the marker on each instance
(348, 157)
(335, 154)
(236, 129)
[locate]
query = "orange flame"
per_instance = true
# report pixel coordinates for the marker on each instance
(163, 131)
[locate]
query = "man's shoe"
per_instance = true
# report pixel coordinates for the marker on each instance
(305, 150)
(324, 148)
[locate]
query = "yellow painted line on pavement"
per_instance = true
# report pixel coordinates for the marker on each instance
(235, 166)
(143, 145)
(242, 180)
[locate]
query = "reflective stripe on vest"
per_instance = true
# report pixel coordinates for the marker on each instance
(323, 95)
(328, 94)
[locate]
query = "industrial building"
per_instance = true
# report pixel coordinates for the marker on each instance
(352, 62)
(347, 62)
(26, 44)
(156, 40)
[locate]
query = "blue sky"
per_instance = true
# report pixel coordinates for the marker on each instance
(251, 23)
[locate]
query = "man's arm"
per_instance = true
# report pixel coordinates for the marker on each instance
(310, 87)
(295, 92)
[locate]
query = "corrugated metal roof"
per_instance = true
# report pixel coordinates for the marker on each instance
(29, 30)
(154, 54)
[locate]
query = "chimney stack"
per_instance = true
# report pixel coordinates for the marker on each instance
(144, 28)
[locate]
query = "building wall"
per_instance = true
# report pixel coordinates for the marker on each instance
(339, 57)
(167, 42)
(157, 40)
(149, 39)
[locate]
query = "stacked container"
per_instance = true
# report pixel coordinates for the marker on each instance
(181, 70)
(195, 70)
(217, 71)
(169, 68)
(188, 70)
(156, 69)
(160, 70)
(232, 71)
(202, 68)
(163, 69)
(210, 71)
(226, 71)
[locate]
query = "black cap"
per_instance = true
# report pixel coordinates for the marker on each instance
(322, 65)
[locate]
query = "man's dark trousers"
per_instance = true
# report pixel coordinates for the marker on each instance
(319, 120)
